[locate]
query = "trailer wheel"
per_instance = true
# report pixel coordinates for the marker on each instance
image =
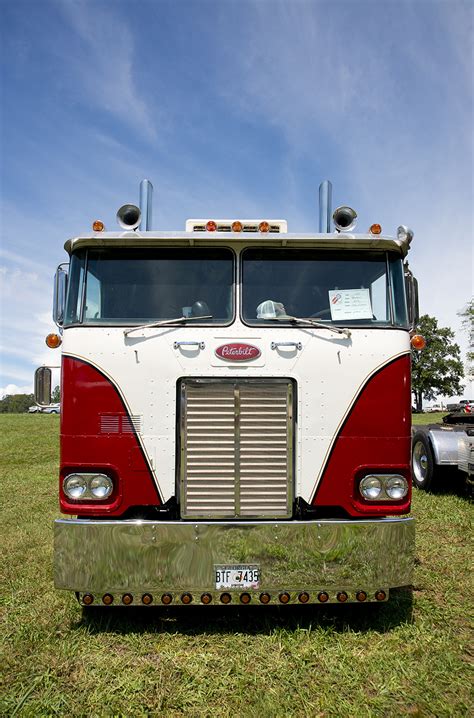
(423, 463)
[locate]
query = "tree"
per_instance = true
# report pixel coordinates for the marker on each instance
(56, 395)
(16, 403)
(437, 369)
(467, 315)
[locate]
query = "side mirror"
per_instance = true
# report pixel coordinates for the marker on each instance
(411, 287)
(59, 295)
(43, 386)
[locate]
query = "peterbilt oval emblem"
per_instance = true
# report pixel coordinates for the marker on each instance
(237, 352)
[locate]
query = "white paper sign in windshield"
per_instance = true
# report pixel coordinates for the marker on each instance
(350, 304)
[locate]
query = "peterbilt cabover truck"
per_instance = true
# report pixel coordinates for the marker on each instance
(235, 412)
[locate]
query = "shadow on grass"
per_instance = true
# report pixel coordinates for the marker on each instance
(209, 620)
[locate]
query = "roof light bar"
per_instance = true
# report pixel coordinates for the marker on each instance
(270, 226)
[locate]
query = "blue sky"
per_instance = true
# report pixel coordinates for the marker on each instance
(231, 109)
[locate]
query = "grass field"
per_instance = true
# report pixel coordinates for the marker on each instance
(410, 657)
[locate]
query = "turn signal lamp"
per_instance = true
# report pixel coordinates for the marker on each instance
(375, 229)
(53, 341)
(418, 342)
(98, 226)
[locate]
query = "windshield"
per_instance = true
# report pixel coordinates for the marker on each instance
(131, 286)
(350, 288)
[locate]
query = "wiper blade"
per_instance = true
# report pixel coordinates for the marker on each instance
(312, 323)
(165, 322)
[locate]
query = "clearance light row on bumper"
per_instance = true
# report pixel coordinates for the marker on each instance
(383, 487)
(147, 599)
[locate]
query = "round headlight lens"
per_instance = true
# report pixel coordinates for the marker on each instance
(74, 486)
(396, 487)
(101, 486)
(371, 488)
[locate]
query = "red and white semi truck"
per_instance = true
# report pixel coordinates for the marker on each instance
(235, 412)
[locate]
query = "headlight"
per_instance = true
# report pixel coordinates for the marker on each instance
(396, 487)
(101, 486)
(75, 486)
(87, 487)
(383, 487)
(371, 487)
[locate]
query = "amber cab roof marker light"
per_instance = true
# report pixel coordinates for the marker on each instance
(53, 341)
(98, 226)
(375, 229)
(418, 342)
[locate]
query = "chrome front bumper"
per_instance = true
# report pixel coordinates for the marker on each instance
(134, 558)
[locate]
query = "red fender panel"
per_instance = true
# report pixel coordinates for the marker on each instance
(374, 438)
(98, 436)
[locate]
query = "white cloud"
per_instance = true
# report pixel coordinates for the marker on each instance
(14, 389)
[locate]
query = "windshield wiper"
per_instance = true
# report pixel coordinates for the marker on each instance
(313, 323)
(166, 322)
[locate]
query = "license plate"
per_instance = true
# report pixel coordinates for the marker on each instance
(237, 576)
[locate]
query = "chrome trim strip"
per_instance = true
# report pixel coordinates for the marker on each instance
(173, 556)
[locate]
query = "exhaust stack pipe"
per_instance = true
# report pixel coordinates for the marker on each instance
(325, 202)
(128, 216)
(146, 194)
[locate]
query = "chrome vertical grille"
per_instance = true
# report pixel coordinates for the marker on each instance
(236, 448)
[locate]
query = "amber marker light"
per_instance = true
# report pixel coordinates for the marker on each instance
(263, 227)
(166, 598)
(265, 598)
(186, 598)
(284, 597)
(303, 597)
(375, 229)
(380, 596)
(237, 226)
(206, 598)
(211, 226)
(87, 599)
(127, 599)
(323, 597)
(418, 342)
(107, 599)
(342, 596)
(226, 598)
(98, 226)
(147, 598)
(361, 596)
(245, 598)
(53, 341)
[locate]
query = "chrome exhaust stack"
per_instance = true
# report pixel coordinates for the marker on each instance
(325, 202)
(146, 194)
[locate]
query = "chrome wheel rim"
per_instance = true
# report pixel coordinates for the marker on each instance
(420, 462)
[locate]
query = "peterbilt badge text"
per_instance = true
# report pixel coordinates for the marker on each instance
(237, 352)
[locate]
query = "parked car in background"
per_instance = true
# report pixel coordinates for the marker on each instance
(53, 409)
(460, 405)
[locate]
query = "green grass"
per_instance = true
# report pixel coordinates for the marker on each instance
(409, 657)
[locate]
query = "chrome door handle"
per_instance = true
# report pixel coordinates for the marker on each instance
(201, 345)
(296, 345)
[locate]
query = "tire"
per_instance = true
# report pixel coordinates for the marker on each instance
(424, 468)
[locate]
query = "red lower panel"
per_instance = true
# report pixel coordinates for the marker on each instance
(375, 438)
(96, 437)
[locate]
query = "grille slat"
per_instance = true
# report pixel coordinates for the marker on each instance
(235, 455)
